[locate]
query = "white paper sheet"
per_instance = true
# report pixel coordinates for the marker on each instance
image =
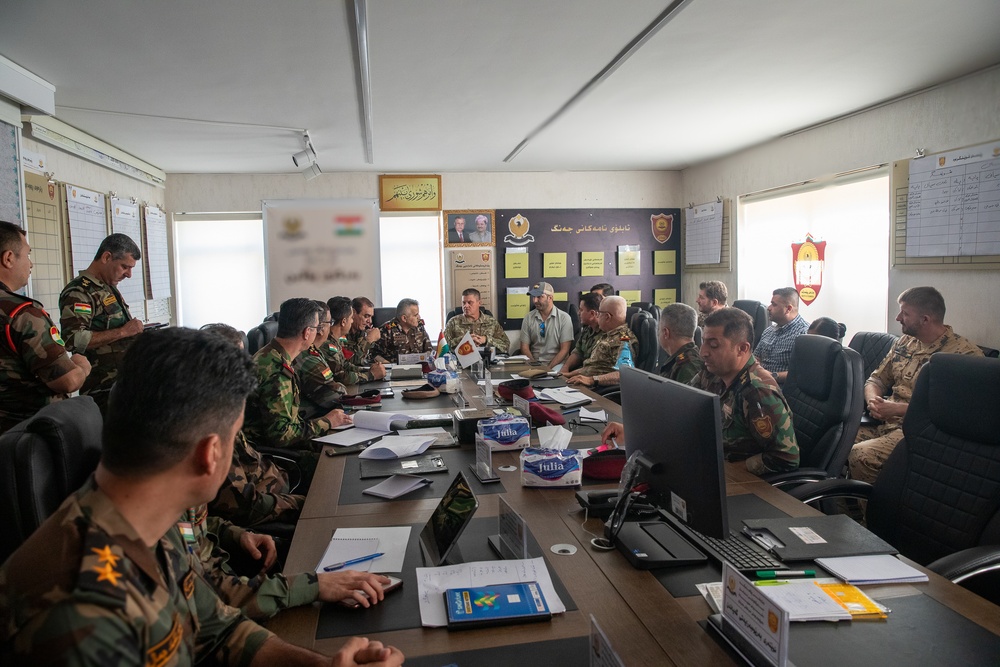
(377, 421)
(593, 415)
(343, 549)
(432, 582)
(398, 447)
(391, 542)
(350, 437)
(396, 486)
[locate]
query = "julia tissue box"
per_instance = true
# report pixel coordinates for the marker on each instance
(551, 467)
(505, 432)
(446, 381)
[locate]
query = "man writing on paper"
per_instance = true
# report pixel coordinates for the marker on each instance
(614, 333)
(546, 332)
(590, 329)
(345, 371)
(363, 335)
(485, 329)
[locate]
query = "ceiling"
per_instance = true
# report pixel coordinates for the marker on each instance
(456, 85)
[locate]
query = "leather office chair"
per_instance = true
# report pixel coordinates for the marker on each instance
(757, 313)
(574, 316)
(261, 335)
(383, 315)
(650, 308)
(42, 461)
(825, 391)
(643, 326)
(990, 352)
(873, 346)
(937, 498)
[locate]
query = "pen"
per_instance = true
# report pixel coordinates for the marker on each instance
(774, 574)
(353, 561)
(569, 412)
(614, 442)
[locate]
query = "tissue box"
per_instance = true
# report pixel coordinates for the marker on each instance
(445, 381)
(505, 432)
(550, 467)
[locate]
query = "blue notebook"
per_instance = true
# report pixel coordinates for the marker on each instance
(496, 605)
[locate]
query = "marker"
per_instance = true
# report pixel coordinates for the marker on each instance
(774, 574)
(353, 561)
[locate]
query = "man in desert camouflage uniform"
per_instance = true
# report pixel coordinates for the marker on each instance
(590, 330)
(756, 420)
(94, 318)
(272, 411)
(600, 367)
(403, 334)
(921, 318)
(485, 329)
(109, 579)
(363, 335)
(34, 367)
(344, 371)
(320, 390)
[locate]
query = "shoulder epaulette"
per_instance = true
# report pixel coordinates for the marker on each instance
(101, 567)
(313, 351)
(85, 281)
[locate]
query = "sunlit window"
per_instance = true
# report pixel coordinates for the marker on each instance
(411, 265)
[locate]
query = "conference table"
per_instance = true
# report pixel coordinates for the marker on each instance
(644, 623)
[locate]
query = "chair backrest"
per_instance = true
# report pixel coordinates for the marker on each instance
(458, 311)
(825, 391)
(758, 313)
(42, 461)
(574, 316)
(991, 352)
(630, 311)
(643, 326)
(873, 346)
(383, 315)
(261, 335)
(939, 490)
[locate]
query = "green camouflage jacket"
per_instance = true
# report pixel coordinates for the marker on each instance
(272, 411)
(31, 354)
(607, 347)
(344, 371)
(487, 326)
(259, 597)
(684, 364)
(87, 305)
(358, 344)
(320, 391)
(255, 491)
(395, 341)
(85, 590)
(585, 342)
(756, 420)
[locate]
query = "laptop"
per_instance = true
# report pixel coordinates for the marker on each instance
(439, 537)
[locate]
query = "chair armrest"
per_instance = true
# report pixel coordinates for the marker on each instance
(967, 563)
(787, 480)
(831, 488)
(288, 460)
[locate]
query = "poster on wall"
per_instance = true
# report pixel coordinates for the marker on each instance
(470, 267)
(318, 248)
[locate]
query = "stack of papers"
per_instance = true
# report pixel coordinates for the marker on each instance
(565, 396)
(368, 427)
(861, 570)
(397, 485)
(398, 447)
(804, 600)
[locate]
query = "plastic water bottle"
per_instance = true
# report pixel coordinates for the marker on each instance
(487, 385)
(625, 357)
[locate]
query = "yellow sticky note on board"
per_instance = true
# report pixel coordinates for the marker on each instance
(630, 295)
(664, 262)
(518, 305)
(554, 265)
(664, 297)
(516, 265)
(560, 296)
(628, 263)
(592, 264)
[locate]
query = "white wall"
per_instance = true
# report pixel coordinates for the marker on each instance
(956, 114)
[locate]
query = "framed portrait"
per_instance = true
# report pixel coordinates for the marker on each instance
(469, 228)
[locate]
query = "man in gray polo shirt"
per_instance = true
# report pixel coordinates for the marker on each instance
(546, 332)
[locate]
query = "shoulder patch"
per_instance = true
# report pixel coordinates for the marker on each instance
(163, 651)
(54, 332)
(109, 299)
(763, 427)
(187, 584)
(82, 308)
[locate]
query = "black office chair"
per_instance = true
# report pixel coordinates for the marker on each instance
(937, 498)
(383, 315)
(825, 391)
(757, 313)
(42, 461)
(990, 352)
(643, 326)
(261, 335)
(574, 316)
(873, 346)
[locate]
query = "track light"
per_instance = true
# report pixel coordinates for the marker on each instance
(303, 158)
(312, 171)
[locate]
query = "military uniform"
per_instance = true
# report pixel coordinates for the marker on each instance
(272, 411)
(683, 364)
(357, 343)
(606, 350)
(343, 371)
(585, 342)
(395, 341)
(259, 597)
(487, 326)
(756, 420)
(87, 305)
(31, 354)
(85, 589)
(320, 390)
(898, 373)
(255, 491)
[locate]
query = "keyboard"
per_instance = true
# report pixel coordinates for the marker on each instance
(738, 552)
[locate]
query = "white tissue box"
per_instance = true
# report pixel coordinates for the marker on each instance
(551, 467)
(505, 432)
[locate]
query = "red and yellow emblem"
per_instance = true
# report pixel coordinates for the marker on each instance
(807, 267)
(763, 427)
(663, 226)
(772, 621)
(465, 348)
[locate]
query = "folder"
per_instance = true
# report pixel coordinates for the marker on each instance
(808, 538)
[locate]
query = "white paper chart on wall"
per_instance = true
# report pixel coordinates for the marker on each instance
(157, 261)
(87, 225)
(703, 240)
(125, 220)
(157, 311)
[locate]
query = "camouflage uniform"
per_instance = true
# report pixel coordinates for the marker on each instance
(84, 589)
(256, 490)
(585, 342)
(607, 347)
(487, 326)
(344, 371)
(357, 343)
(684, 364)
(395, 341)
(898, 372)
(259, 597)
(756, 420)
(320, 390)
(87, 305)
(37, 356)
(272, 411)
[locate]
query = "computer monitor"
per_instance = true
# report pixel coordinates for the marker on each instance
(678, 429)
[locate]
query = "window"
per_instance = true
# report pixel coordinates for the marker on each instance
(411, 261)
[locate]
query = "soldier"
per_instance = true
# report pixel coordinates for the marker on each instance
(675, 333)
(272, 412)
(614, 334)
(34, 367)
(484, 328)
(320, 390)
(108, 578)
(345, 371)
(363, 335)
(403, 334)
(94, 318)
(712, 296)
(590, 329)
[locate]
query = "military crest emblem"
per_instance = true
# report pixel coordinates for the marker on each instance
(663, 226)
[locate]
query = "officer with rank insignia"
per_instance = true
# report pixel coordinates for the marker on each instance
(363, 335)
(614, 334)
(403, 334)
(484, 328)
(94, 318)
(589, 305)
(320, 390)
(675, 332)
(109, 578)
(34, 366)
(344, 371)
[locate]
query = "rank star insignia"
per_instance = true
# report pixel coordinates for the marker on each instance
(107, 573)
(105, 556)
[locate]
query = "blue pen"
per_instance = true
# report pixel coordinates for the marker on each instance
(353, 561)
(569, 412)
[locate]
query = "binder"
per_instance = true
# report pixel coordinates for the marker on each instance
(808, 538)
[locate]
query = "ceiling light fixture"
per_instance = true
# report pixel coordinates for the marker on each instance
(307, 155)
(312, 171)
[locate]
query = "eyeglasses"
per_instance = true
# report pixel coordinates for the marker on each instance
(326, 323)
(541, 329)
